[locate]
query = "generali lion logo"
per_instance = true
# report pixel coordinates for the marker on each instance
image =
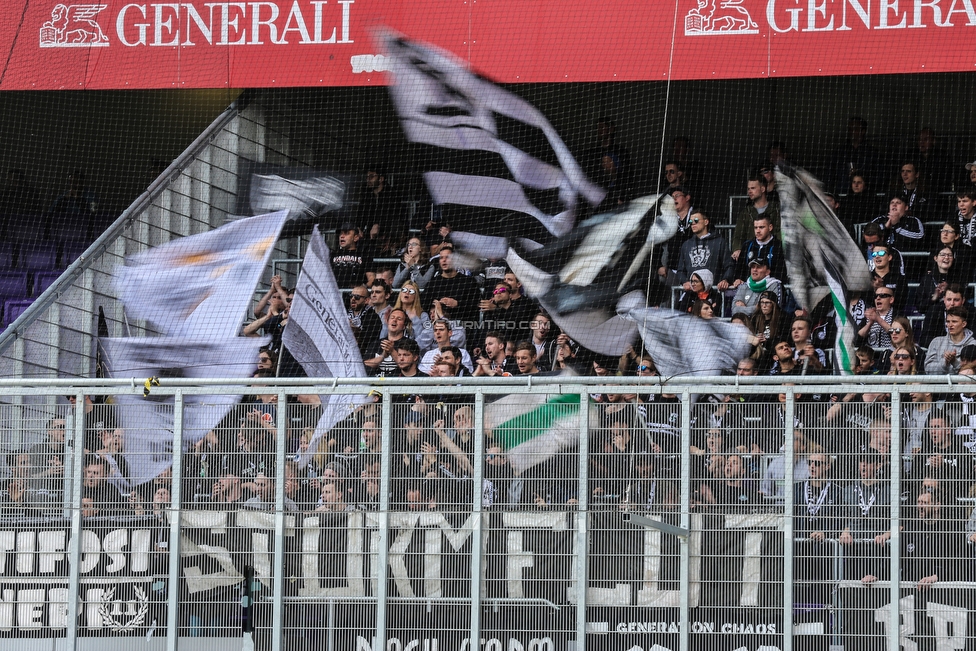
(74, 26)
(719, 17)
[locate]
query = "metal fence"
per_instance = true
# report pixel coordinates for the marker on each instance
(718, 513)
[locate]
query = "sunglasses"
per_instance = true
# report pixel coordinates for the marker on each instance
(901, 356)
(646, 369)
(897, 331)
(264, 359)
(407, 290)
(879, 254)
(361, 297)
(884, 295)
(695, 220)
(500, 290)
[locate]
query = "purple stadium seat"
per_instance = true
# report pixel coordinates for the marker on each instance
(43, 280)
(13, 308)
(38, 256)
(13, 284)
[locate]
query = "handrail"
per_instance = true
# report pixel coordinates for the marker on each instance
(562, 383)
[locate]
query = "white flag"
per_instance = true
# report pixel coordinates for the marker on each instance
(148, 421)
(681, 344)
(200, 286)
(300, 197)
(319, 337)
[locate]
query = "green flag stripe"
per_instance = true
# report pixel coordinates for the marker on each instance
(845, 355)
(841, 348)
(527, 426)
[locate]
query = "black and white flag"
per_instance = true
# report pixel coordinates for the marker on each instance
(598, 276)
(492, 161)
(319, 337)
(302, 198)
(813, 235)
(821, 257)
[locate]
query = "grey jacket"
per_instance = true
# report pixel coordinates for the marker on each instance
(750, 299)
(935, 362)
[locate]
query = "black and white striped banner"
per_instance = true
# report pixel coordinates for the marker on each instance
(491, 159)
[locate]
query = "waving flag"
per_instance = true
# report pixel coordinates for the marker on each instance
(200, 286)
(492, 161)
(821, 257)
(534, 428)
(319, 337)
(596, 280)
(681, 344)
(148, 420)
(300, 197)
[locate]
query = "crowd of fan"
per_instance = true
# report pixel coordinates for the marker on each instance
(426, 315)
(842, 466)
(410, 297)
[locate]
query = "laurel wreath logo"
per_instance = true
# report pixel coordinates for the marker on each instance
(105, 611)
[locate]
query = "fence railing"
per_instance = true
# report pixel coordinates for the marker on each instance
(541, 513)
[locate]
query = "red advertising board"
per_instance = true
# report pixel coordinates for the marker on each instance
(55, 44)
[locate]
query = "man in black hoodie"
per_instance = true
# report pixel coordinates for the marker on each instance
(704, 250)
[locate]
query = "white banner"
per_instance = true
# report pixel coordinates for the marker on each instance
(148, 421)
(301, 198)
(319, 337)
(200, 286)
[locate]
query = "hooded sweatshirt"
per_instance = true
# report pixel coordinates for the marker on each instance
(710, 252)
(935, 363)
(750, 296)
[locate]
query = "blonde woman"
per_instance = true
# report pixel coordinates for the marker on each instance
(901, 337)
(415, 265)
(408, 300)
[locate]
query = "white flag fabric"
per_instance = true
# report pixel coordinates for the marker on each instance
(473, 137)
(596, 329)
(300, 197)
(681, 344)
(148, 421)
(200, 286)
(319, 337)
